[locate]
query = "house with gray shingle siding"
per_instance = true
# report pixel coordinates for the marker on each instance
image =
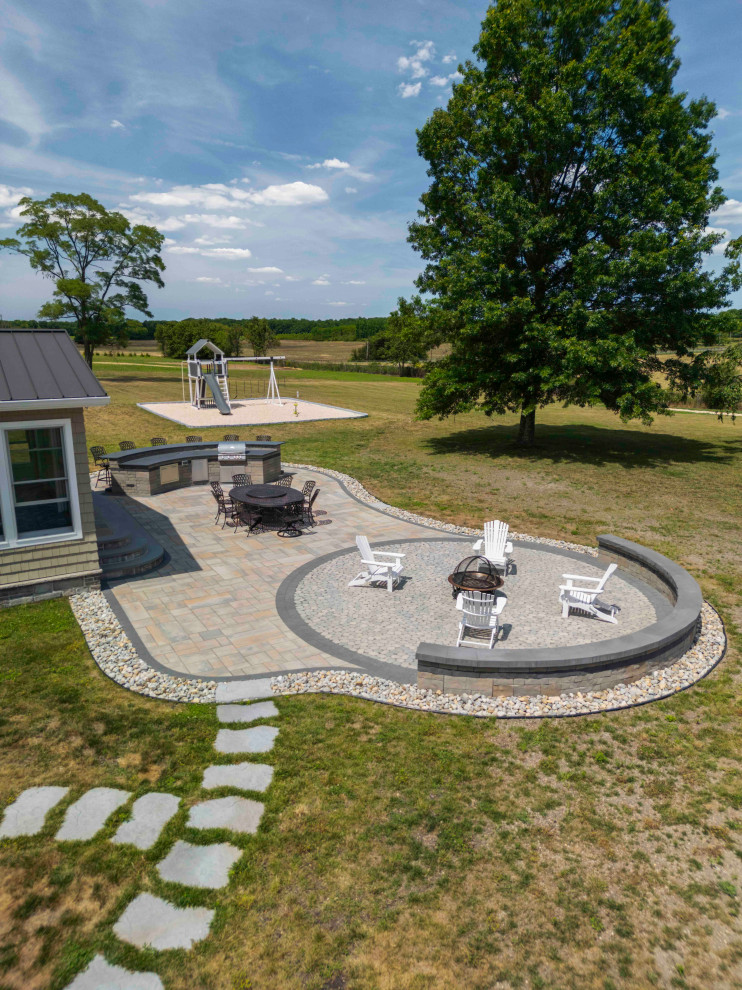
(48, 543)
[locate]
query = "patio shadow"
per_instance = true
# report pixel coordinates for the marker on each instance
(158, 526)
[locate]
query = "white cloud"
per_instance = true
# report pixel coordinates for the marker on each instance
(351, 189)
(447, 59)
(216, 196)
(290, 194)
(338, 304)
(330, 163)
(322, 280)
(268, 270)
(721, 246)
(209, 241)
(214, 220)
(227, 253)
(9, 195)
(354, 281)
(409, 89)
(445, 80)
(414, 63)
(116, 124)
(722, 114)
(293, 278)
(730, 211)
(206, 278)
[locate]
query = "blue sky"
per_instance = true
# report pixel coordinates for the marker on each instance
(272, 141)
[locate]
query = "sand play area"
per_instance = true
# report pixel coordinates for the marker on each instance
(249, 412)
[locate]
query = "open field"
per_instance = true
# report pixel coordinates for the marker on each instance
(401, 851)
(306, 350)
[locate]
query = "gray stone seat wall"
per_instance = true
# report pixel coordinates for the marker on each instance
(592, 666)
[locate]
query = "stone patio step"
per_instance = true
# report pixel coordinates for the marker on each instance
(125, 548)
(89, 813)
(101, 975)
(246, 713)
(252, 690)
(150, 921)
(259, 739)
(26, 815)
(237, 814)
(243, 776)
(149, 815)
(205, 867)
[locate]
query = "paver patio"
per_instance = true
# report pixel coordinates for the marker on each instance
(211, 611)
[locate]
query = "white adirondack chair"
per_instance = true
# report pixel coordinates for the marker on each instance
(376, 569)
(584, 596)
(495, 546)
(479, 612)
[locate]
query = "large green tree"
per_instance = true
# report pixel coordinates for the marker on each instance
(565, 225)
(96, 259)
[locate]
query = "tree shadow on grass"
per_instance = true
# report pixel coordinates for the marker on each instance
(582, 444)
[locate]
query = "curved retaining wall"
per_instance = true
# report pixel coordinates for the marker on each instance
(589, 667)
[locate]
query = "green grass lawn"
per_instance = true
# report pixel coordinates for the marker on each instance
(398, 849)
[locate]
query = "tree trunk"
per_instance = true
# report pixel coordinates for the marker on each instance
(527, 428)
(88, 351)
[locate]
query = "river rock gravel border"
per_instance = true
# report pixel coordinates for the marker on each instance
(116, 656)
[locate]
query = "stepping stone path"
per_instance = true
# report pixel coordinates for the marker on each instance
(199, 866)
(235, 813)
(150, 921)
(246, 713)
(100, 975)
(29, 810)
(89, 813)
(149, 816)
(257, 740)
(242, 776)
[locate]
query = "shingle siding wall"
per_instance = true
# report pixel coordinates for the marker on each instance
(54, 564)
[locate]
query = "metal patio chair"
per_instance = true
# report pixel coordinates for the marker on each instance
(102, 463)
(158, 442)
(193, 438)
(127, 445)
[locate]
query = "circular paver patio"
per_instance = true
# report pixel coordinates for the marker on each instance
(389, 627)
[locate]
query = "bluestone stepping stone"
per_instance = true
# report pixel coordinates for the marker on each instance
(259, 739)
(101, 975)
(89, 813)
(244, 690)
(149, 920)
(199, 866)
(246, 713)
(150, 814)
(244, 776)
(235, 813)
(25, 816)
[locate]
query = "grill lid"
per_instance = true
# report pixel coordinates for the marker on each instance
(232, 449)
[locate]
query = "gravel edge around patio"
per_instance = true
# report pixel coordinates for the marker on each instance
(116, 656)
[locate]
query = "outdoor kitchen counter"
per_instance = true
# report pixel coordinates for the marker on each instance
(151, 470)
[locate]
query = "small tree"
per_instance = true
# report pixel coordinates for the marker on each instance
(258, 331)
(96, 260)
(566, 221)
(176, 336)
(407, 333)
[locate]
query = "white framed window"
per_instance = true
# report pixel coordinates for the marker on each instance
(38, 486)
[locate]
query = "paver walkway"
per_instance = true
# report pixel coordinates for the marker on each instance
(211, 610)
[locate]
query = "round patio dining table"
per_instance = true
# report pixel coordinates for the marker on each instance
(269, 497)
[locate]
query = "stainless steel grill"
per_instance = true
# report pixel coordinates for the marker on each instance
(232, 452)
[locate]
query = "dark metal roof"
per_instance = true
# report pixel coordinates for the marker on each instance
(43, 364)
